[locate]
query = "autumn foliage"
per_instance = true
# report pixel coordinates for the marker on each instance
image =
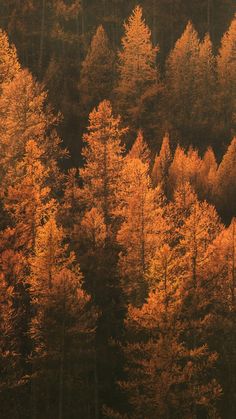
(117, 277)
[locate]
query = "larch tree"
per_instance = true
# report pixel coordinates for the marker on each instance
(181, 89)
(15, 344)
(160, 170)
(103, 160)
(224, 189)
(26, 116)
(184, 168)
(140, 149)
(62, 327)
(204, 106)
(97, 72)
(219, 328)
(165, 378)
(207, 175)
(226, 74)
(9, 64)
(28, 202)
(138, 79)
(28, 198)
(141, 229)
(99, 196)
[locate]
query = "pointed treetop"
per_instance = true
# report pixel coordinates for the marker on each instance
(9, 64)
(140, 149)
(138, 56)
(96, 77)
(186, 46)
(227, 52)
(99, 47)
(160, 171)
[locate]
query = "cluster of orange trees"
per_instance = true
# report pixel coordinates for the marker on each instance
(117, 279)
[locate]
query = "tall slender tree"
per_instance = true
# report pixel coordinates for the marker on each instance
(97, 72)
(138, 81)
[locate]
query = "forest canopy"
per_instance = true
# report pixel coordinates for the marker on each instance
(117, 209)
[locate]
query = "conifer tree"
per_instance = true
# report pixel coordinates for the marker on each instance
(138, 82)
(181, 72)
(204, 107)
(225, 185)
(160, 171)
(28, 198)
(25, 116)
(99, 197)
(141, 230)
(27, 201)
(226, 74)
(97, 72)
(62, 328)
(207, 175)
(184, 168)
(103, 160)
(165, 378)
(219, 279)
(140, 150)
(9, 64)
(15, 344)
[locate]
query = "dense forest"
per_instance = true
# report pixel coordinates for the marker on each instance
(117, 209)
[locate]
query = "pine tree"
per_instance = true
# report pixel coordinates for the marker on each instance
(138, 82)
(97, 72)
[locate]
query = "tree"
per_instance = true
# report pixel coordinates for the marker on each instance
(138, 82)
(62, 328)
(138, 234)
(204, 107)
(9, 65)
(140, 150)
(160, 171)
(28, 199)
(14, 341)
(184, 168)
(99, 196)
(97, 72)
(28, 203)
(219, 329)
(225, 186)
(164, 377)
(181, 89)
(226, 74)
(25, 116)
(103, 161)
(207, 175)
